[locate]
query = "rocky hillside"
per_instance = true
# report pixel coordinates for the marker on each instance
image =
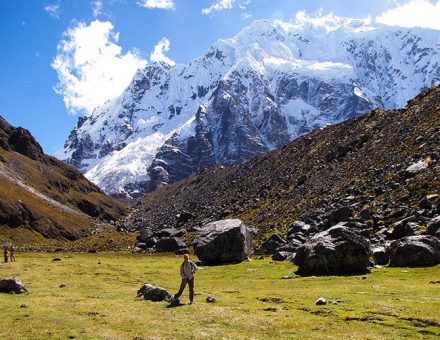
(44, 198)
(247, 95)
(383, 166)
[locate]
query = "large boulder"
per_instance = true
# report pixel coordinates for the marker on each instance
(150, 292)
(415, 251)
(434, 226)
(225, 241)
(338, 250)
(12, 285)
(168, 244)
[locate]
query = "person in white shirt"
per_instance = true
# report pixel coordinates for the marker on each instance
(187, 270)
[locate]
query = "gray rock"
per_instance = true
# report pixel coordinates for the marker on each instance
(168, 244)
(340, 215)
(401, 229)
(282, 255)
(12, 285)
(338, 250)
(225, 241)
(381, 256)
(298, 227)
(434, 226)
(415, 251)
(272, 243)
(150, 292)
(210, 299)
(321, 301)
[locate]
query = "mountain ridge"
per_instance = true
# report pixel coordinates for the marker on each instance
(247, 95)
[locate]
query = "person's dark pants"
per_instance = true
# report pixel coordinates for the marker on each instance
(191, 288)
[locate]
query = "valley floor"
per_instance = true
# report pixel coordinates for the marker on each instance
(253, 301)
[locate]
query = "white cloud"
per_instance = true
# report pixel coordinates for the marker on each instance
(330, 21)
(246, 15)
(420, 13)
(245, 3)
(159, 50)
(219, 6)
(97, 8)
(91, 68)
(161, 4)
(53, 11)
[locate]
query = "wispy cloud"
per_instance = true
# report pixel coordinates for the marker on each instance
(160, 4)
(415, 13)
(97, 8)
(219, 6)
(246, 15)
(91, 66)
(159, 50)
(244, 4)
(53, 11)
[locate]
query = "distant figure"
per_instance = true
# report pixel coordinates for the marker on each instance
(187, 270)
(5, 254)
(12, 253)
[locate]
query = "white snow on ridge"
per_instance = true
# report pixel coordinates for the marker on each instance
(377, 64)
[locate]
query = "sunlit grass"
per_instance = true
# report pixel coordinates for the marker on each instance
(98, 300)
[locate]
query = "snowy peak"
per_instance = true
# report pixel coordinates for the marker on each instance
(249, 94)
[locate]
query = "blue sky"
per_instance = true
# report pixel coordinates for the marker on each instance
(44, 87)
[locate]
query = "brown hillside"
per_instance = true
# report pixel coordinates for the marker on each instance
(44, 198)
(361, 162)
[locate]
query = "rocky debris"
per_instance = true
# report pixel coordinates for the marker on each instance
(150, 292)
(12, 285)
(381, 255)
(338, 250)
(321, 301)
(402, 228)
(211, 299)
(298, 227)
(225, 241)
(272, 243)
(169, 244)
(282, 256)
(415, 251)
(170, 232)
(434, 226)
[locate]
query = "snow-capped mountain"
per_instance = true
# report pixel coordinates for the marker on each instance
(247, 95)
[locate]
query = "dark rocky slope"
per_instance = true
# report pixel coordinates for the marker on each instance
(44, 198)
(382, 166)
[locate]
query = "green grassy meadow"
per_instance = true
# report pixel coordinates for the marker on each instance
(253, 301)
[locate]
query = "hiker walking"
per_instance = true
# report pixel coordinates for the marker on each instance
(12, 253)
(187, 270)
(5, 254)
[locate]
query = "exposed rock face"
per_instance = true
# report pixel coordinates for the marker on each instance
(247, 95)
(415, 251)
(338, 250)
(226, 241)
(12, 285)
(150, 292)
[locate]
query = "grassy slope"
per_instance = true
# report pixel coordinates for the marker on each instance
(56, 181)
(99, 301)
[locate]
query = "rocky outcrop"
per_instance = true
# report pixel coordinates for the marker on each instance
(339, 250)
(415, 251)
(153, 293)
(12, 285)
(225, 241)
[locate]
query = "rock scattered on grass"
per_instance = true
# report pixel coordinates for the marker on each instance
(150, 292)
(12, 285)
(321, 301)
(56, 259)
(210, 299)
